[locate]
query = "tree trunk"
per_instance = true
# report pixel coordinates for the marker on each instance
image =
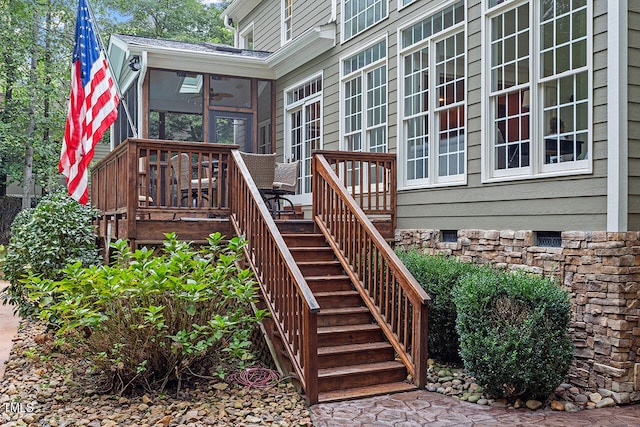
(27, 184)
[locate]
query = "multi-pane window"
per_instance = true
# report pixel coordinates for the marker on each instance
(510, 92)
(362, 14)
(304, 126)
(287, 13)
(564, 79)
(538, 100)
(365, 99)
(433, 90)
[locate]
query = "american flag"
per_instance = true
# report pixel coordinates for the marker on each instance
(93, 106)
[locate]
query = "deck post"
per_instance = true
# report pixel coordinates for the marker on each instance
(310, 357)
(420, 353)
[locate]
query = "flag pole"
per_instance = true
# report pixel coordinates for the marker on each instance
(115, 81)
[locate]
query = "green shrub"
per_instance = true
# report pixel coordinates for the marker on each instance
(150, 319)
(438, 275)
(514, 332)
(43, 241)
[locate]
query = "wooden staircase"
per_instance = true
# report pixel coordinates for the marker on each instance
(354, 359)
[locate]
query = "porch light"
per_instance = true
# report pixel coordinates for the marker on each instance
(134, 63)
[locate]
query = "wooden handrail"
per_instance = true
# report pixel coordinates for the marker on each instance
(286, 292)
(397, 301)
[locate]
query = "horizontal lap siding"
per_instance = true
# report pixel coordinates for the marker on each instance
(266, 20)
(634, 115)
(309, 14)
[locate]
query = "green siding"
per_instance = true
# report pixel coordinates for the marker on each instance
(633, 57)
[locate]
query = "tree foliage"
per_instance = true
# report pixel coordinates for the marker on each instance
(184, 20)
(36, 44)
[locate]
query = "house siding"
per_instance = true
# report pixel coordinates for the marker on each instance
(267, 19)
(556, 203)
(634, 115)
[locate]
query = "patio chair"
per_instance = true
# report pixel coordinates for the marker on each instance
(284, 184)
(183, 173)
(262, 170)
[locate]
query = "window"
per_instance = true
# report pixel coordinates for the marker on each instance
(360, 15)
(364, 111)
(303, 104)
(246, 38)
(287, 12)
(538, 99)
(433, 88)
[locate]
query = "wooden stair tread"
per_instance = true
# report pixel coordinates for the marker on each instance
(368, 368)
(326, 278)
(311, 248)
(338, 349)
(333, 262)
(348, 328)
(335, 293)
(368, 391)
(343, 310)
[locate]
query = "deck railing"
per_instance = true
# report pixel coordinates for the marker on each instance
(285, 290)
(395, 298)
(369, 179)
(147, 178)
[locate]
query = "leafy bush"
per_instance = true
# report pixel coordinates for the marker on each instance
(438, 275)
(43, 241)
(514, 332)
(150, 319)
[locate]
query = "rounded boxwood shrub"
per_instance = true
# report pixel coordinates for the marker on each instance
(438, 275)
(513, 331)
(57, 232)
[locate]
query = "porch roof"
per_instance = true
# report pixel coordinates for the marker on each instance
(216, 58)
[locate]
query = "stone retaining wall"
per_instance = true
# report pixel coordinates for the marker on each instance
(599, 269)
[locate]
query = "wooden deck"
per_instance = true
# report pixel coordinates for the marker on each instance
(347, 319)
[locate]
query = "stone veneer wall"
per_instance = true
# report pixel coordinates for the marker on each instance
(599, 269)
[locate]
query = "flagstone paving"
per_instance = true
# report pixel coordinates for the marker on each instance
(423, 408)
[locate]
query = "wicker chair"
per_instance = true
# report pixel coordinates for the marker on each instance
(284, 184)
(183, 173)
(262, 169)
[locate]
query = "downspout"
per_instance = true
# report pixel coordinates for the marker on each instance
(334, 12)
(228, 22)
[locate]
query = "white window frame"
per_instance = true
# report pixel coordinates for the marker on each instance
(372, 24)
(286, 27)
(249, 29)
(433, 180)
(537, 168)
(299, 105)
(362, 72)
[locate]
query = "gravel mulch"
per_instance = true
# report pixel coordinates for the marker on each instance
(45, 388)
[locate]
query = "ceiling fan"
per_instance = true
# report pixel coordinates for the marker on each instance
(218, 96)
